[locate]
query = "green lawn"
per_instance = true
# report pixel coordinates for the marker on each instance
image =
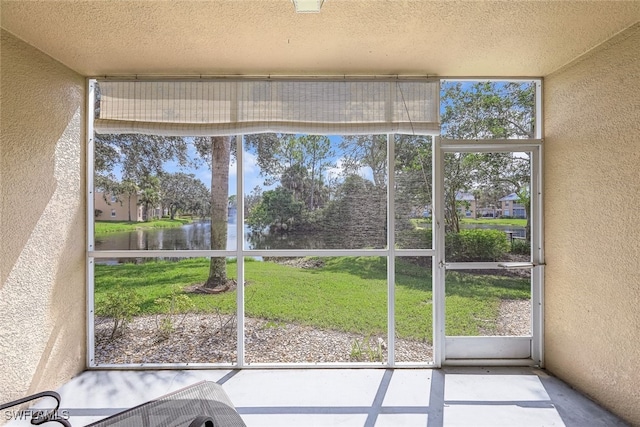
(495, 221)
(426, 223)
(347, 293)
(103, 227)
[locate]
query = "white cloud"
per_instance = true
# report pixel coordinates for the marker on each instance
(250, 163)
(337, 172)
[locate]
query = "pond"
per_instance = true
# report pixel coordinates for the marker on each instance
(193, 236)
(197, 236)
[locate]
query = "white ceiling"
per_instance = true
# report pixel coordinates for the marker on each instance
(259, 37)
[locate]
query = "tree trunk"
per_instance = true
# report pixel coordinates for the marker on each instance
(220, 156)
(129, 208)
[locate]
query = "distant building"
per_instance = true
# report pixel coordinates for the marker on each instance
(489, 212)
(109, 208)
(466, 203)
(510, 206)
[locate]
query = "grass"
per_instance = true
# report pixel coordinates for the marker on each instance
(104, 227)
(495, 221)
(426, 222)
(421, 222)
(346, 293)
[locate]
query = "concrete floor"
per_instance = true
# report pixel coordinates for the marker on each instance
(353, 397)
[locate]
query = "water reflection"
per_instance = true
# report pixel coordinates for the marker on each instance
(193, 236)
(197, 236)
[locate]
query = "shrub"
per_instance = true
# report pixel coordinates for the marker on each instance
(121, 305)
(417, 238)
(476, 245)
(520, 247)
(175, 304)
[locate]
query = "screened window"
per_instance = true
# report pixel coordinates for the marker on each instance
(268, 221)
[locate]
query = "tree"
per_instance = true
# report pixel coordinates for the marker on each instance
(297, 162)
(358, 214)
(149, 195)
(251, 200)
(485, 110)
(366, 151)
(141, 159)
(182, 192)
(217, 150)
(277, 210)
(128, 188)
(316, 149)
(138, 155)
(413, 186)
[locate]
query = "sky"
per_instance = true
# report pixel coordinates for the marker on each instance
(252, 176)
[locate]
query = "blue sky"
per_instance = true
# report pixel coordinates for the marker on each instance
(252, 177)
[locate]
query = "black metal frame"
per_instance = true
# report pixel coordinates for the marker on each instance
(43, 415)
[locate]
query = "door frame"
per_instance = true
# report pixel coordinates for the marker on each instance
(490, 350)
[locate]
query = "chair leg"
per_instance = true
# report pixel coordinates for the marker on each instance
(202, 420)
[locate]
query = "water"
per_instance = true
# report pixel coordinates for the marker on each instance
(197, 236)
(194, 236)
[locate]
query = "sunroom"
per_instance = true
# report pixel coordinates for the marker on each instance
(339, 249)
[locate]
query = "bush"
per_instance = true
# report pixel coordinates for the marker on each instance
(520, 247)
(175, 304)
(417, 238)
(476, 245)
(120, 305)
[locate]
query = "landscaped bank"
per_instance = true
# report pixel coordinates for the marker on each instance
(104, 227)
(340, 293)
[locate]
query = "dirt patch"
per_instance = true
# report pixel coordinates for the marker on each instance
(298, 262)
(199, 288)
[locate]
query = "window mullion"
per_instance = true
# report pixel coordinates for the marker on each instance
(240, 252)
(391, 243)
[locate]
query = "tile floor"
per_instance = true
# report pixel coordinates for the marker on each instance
(352, 397)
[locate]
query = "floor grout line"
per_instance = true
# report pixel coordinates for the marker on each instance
(436, 399)
(228, 376)
(377, 401)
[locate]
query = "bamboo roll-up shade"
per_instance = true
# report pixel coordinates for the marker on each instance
(211, 108)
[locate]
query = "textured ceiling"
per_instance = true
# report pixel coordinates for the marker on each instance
(258, 37)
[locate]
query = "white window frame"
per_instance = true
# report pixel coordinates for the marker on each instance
(436, 253)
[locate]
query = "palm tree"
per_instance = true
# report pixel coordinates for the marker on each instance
(129, 188)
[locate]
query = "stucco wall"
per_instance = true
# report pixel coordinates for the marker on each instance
(42, 266)
(592, 208)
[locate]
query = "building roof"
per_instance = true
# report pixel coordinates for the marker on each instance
(510, 197)
(465, 197)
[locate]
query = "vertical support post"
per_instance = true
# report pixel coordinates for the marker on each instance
(537, 252)
(90, 147)
(438, 261)
(391, 243)
(539, 131)
(240, 250)
(537, 241)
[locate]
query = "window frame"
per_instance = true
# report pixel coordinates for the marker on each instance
(436, 252)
